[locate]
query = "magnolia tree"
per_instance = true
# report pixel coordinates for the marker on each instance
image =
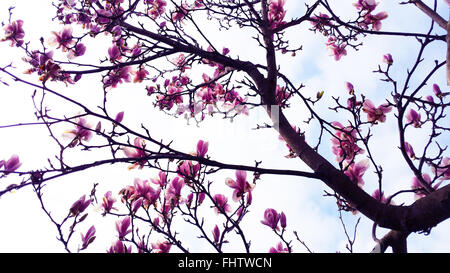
(169, 53)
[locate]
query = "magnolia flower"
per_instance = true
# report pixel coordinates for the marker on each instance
(374, 20)
(281, 95)
(349, 87)
(161, 246)
(282, 220)
(140, 75)
(118, 75)
(14, 33)
(216, 234)
(119, 117)
(387, 58)
(240, 186)
(79, 50)
(62, 39)
(221, 203)
(173, 193)
(321, 20)
(156, 9)
(103, 16)
(336, 50)
(80, 205)
(11, 165)
(409, 150)
(114, 53)
(143, 188)
(88, 237)
(82, 131)
(276, 13)
(271, 218)
(137, 151)
(188, 169)
(437, 91)
(119, 247)
(279, 249)
(344, 143)
(161, 180)
(413, 118)
(368, 5)
(108, 202)
(443, 170)
(202, 148)
(417, 186)
(376, 194)
(122, 227)
(356, 171)
(375, 114)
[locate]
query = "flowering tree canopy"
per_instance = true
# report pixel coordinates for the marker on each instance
(167, 56)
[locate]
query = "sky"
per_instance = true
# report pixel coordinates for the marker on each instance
(27, 229)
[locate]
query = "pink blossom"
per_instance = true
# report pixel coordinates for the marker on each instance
(114, 53)
(202, 148)
(103, 16)
(281, 96)
(14, 33)
(276, 13)
(417, 186)
(279, 249)
(140, 75)
(240, 186)
(180, 13)
(356, 171)
(122, 227)
(376, 194)
(118, 75)
(344, 143)
(80, 205)
(443, 170)
(188, 169)
(321, 20)
(119, 247)
(282, 220)
(119, 117)
(349, 87)
(375, 114)
(352, 102)
(409, 150)
(173, 193)
(88, 237)
(82, 131)
(156, 9)
(79, 50)
(108, 202)
(336, 50)
(216, 234)
(271, 218)
(368, 5)
(413, 118)
(374, 20)
(161, 180)
(11, 165)
(221, 202)
(143, 188)
(137, 151)
(437, 91)
(161, 247)
(136, 204)
(387, 58)
(62, 39)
